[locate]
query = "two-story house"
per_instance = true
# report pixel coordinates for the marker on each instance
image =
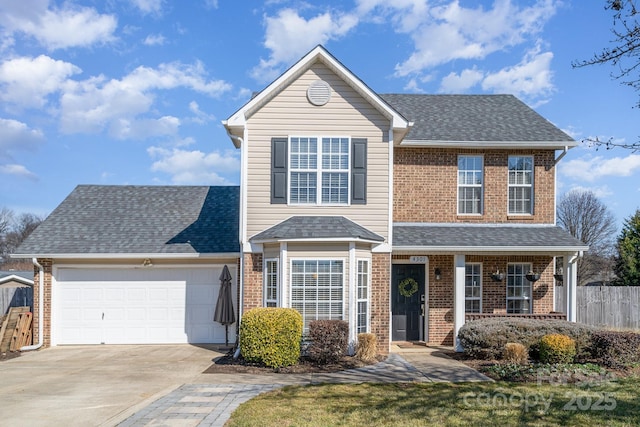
(404, 215)
(393, 211)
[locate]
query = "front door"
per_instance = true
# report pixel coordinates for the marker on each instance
(407, 298)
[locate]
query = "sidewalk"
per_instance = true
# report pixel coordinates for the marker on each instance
(213, 399)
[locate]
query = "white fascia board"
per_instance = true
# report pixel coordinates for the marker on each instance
(132, 256)
(492, 249)
(551, 145)
(317, 240)
(239, 118)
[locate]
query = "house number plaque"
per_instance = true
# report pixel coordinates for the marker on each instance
(418, 259)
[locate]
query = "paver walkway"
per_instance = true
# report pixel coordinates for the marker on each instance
(211, 404)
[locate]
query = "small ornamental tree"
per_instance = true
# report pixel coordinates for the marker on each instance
(627, 266)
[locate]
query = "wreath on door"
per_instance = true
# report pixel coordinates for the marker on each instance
(408, 287)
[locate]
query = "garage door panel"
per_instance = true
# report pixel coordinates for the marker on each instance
(170, 305)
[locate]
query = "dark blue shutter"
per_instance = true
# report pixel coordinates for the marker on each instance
(358, 171)
(279, 171)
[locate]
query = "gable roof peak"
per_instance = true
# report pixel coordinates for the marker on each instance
(235, 124)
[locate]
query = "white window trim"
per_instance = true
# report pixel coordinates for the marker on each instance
(481, 286)
(318, 171)
(509, 186)
(266, 300)
(467, 185)
(529, 266)
(368, 299)
(345, 280)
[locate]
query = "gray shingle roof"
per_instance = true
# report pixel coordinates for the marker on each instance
(317, 227)
(485, 237)
(140, 219)
(473, 118)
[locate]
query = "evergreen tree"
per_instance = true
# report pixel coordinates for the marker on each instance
(627, 266)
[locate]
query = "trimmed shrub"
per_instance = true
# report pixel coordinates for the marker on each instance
(486, 338)
(557, 348)
(516, 353)
(366, 348)
(616, 349)
(329, 340)
(271, 336)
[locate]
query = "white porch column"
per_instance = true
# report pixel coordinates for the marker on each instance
(353, 298)
(458, 298)
(571, 269)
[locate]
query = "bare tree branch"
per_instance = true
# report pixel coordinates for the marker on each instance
(586, 218)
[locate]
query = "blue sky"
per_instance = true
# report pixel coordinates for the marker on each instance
(133, 91)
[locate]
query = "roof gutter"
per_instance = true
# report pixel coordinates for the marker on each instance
(40, 308)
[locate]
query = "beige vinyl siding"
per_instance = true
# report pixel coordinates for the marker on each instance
(290, 114)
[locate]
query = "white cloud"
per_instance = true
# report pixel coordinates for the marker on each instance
(600, 191)
(289, 36)
(91, 105)
(530, 78)
(15, 135)
(27, 81)
(124, 128)
(154, 40)
(19, 171)
(199, 116)
(57, 27)
(456, 83)
(451, 32)
(195, 167)
(590, 169)
(148, 6)
(211, 4)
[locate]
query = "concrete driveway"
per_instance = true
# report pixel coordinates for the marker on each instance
(94, 385)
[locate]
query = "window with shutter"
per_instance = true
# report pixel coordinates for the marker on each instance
(279, 170)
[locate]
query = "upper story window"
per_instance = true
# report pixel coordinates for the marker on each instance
(520, 184)
(318, 170)
(319, 182)
(470, 183)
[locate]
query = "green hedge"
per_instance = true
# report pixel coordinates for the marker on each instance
(271, 336)
(486, 338)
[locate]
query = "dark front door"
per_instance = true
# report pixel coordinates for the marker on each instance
(406, 320)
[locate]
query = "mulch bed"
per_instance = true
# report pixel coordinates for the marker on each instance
(9, 355)
(228, 365)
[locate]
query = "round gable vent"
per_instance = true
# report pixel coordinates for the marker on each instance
(319, 92)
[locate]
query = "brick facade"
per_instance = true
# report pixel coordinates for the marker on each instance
(425, 186)
(252, 286)
(380, 299)
(47, 266)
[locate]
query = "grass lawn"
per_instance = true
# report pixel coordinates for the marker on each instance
(462, 404)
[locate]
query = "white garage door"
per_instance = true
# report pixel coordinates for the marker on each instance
(138, 306)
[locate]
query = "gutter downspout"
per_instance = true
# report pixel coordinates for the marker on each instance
(564, 153)
(40, 310)
(241, 229)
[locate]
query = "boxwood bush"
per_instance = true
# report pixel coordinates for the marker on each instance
(557, 348)
(486, 338)
(271, 336)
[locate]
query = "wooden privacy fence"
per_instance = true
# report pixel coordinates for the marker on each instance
(15, 297)
(615, 307)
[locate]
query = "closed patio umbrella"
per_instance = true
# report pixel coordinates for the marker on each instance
(224, 313)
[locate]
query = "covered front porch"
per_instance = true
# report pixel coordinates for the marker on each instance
(488, 271)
